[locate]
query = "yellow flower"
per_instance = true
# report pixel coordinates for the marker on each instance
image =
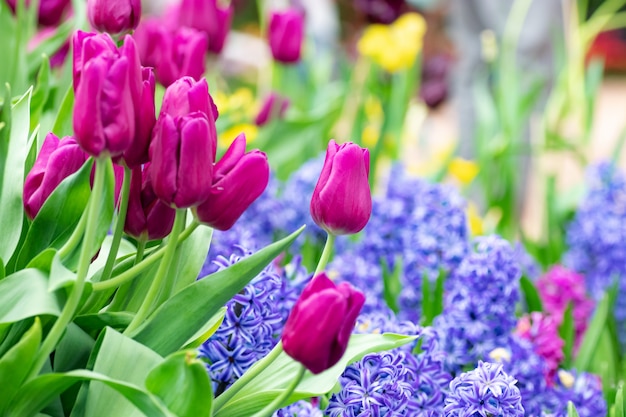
(500, 355)
(566, 378)
(373, 109)
(228, 136)
(474, 220)
(463, 170)
(369, 137)
(394, 47)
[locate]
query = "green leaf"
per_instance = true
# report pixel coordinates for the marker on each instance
(14, 365)
(12, 159)
(49, 46)
(619, 410)
(571, 410)
(122, 359)
(167, 330)
(438, 294)
(95, 323)
(63, 123)
(58, 216)
(391, 282)
(207, 330)
(49, 262)
(41, 92)
(183, 384)
(531, 295)
(192, 252)
(278, 375)
(38, 392)
(593, 334)
(25, 294)
(567, 333)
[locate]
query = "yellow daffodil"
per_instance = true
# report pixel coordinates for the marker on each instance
(228, 136)
(475, 222)
(463, 170)
(396, 46)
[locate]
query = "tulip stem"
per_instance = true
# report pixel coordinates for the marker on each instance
(119, 226)
(328, 249)
(150, 302)
(74, 239)
(119, 300)
(269, 409)
(71, 305)
(245, 379)
(143, 265)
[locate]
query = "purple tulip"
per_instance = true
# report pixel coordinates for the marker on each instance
(108, 88)
(187, 95)
(145, 119)
(50, 11)
(239, 178)
(286, 31)
(208, 17)
(114, 16)
(183, 54)
(57, 160)
(275, 106)
(182, 154)
(381, 11)
(342, 202)
(319, 326)
(147, 215)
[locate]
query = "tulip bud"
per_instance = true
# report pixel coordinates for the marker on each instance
(239, 178)
(182, 153)
(187, 95)
(286, 31)
(274, 106)
(114, 16)
(57, 160)
(207, 16)
(319, 326)
(145, 119)
(105, 103)
(182, 54)
(147, 215)
(341, 202)
(50, 11)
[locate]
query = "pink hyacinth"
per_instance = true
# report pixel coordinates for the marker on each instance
(543, 331)
(558, 288)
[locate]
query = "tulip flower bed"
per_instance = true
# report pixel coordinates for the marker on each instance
(152, 263)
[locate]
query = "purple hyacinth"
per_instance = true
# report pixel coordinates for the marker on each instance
(416, 226)
(597, 237)
(479, 306)
(485, 391)
(583, 390)
(299, 409)
(252, 324)
(395, 383)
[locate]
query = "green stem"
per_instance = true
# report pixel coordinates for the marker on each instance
(119, 226)
(120, 296)
(74, 239)
(141, 266)
(71, 305)
(328, 249)
(149, 302)
(269, 409)
(246, 378)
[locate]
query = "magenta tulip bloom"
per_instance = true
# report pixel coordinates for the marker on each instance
(274, 107)
(208, 17)
(183, 53)
(57, 160)
(50, 11)
(147, 215)
(239, 178)
(187, 95)
(85, 47)
(319, 326)
(182, 154)
(286, 31)
(342, 202)
(114, 16)
(145, 118)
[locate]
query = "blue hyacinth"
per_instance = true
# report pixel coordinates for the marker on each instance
(485, 391)
(252, 324)
(597, 237)
(479, 306)
(299, 409)
(582, 389)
